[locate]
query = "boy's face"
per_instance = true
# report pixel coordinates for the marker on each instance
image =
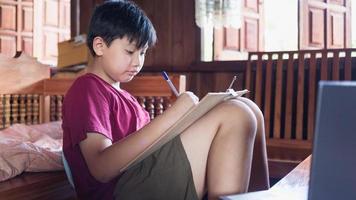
(121, 61)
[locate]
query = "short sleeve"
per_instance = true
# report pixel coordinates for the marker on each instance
(86, 109)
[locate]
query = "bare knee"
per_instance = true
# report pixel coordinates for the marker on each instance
(255, 109)
(238, 114)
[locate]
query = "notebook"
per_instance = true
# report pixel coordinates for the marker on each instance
(193, 114)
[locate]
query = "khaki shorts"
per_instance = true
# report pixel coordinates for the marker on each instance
(166, 174)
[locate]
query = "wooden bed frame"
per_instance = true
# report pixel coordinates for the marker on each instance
(28, 95)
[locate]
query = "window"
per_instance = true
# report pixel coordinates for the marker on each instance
(280, 25)
(281, 33)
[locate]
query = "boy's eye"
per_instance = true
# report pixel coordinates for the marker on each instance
(130, 52)
(143, 53)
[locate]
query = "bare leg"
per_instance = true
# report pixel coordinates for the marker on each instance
(219, 147)
(259, 179)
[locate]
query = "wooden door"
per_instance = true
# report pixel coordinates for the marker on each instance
(52, 25)
(232, 43)
(16, 26)
(324, 24)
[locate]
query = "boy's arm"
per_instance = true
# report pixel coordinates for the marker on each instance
(105, 159)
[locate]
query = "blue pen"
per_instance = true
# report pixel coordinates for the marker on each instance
(170, 84)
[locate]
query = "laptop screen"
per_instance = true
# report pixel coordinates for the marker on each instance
(333, 169)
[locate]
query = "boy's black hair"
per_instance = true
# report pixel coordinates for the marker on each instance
(120, 18)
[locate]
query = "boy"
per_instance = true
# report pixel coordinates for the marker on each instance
(104, 127)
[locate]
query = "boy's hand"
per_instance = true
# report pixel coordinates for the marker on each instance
(185, 101)
(188, 97)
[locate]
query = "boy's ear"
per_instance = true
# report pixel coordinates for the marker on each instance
(98, 46)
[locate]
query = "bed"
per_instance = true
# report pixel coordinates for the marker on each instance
(30, 100)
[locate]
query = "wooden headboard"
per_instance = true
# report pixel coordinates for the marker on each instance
(28, 94)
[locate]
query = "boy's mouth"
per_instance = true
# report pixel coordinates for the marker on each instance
(132, 73)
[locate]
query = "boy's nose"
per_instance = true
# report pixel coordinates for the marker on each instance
(136, 61)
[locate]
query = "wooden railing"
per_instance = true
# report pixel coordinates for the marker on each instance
(19, 108)
(284, 86)
(45, 104)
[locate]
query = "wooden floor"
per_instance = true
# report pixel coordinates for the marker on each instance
(54, 185)
(41, 185)
(294, 186)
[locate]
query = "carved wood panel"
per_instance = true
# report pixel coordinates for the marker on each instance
(325, 24)
(52, 26)
(230, 42)
(34, 27)
(16, 27)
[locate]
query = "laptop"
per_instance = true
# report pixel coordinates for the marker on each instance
(333, 168)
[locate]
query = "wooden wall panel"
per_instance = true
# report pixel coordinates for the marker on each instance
(8, 17)
(316, 21)
(325, 24)
(16, 27)
(27, 45)
(27, 18)
(26, 28)
(64, 20)
(51, 13)
(336, 26)
(50, 40)
(52, 25)
(233, 44)
(339, 24)
(178, 36)
(8, 45)
(34, 27)
(178, 25)
(251, 34)
(164, 33)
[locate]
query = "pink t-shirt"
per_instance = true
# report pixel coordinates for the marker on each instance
(93, 105)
